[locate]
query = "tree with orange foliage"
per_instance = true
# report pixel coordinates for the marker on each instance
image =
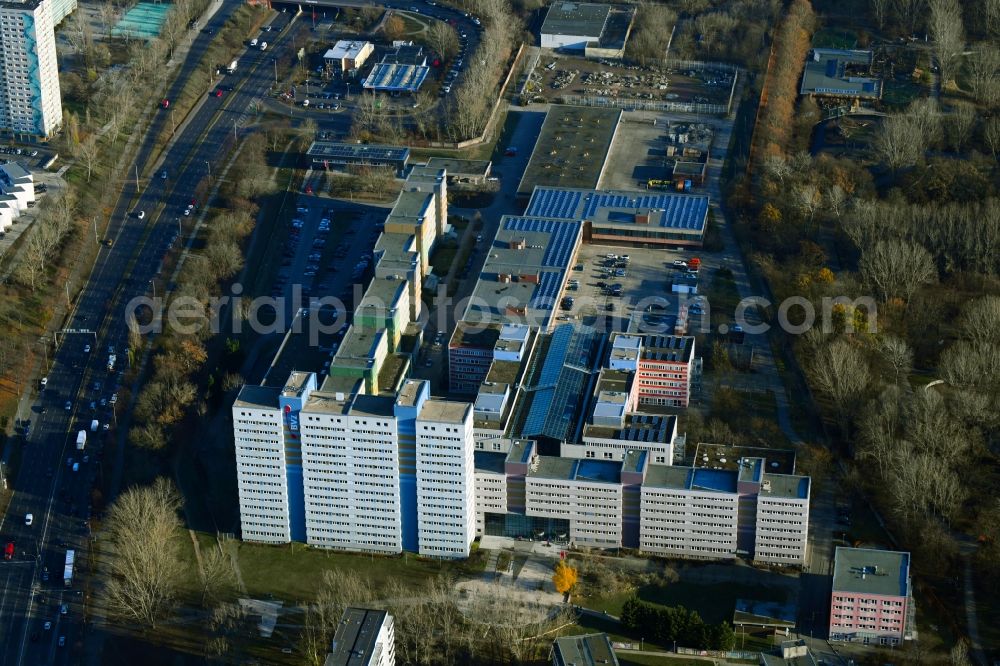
(564, 578)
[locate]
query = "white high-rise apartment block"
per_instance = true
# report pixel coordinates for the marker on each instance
(30, 102)
(260, 465)
(446, 496)
(61, 9)
(350, 461)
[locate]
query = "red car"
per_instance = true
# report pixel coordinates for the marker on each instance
(164, 103)
(309, 189)
(218, 92)
(8, 551)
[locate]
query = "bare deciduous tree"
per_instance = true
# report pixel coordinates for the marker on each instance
(991, 132)
(960, 123)
(896, 354)
(89, 153)
(896, 268)
(880, 9)
(909, 13)
(984, 73)
(442, 39)
(945, 26)
(896, 142)
(145, 567)
(840, 372)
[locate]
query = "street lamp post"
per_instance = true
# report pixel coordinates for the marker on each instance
(209, 165)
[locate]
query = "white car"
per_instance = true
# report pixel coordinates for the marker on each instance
(29, 519)
(680, 263)
(141, 214)
(187, 212)
(86, 349)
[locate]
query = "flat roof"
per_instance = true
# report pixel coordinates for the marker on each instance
(691, 478)
(380, 406)
(736, 458)
(576, 469)
(520, 450)
(396, 77)
(410, 391)
(490, 461)
(871, 571)
(346, 48)
(668, 210)
(411, 204)
(525, 267)
(358, 347)
(296, 382)
(360, 151)
(840, 73)
(383, 293)
(356, 639)
(639, 428)
(252, 395)
(576, 18)
(503, 372)
(444, 411)
(324, 402)
(460, 167)
(572, 148)
(673, 348)
(586, 650)
(475, 337)
(787, 485)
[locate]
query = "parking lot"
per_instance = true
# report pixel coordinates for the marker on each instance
(645, 303)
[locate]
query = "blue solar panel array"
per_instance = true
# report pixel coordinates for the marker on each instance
(546, 291)
(681, 211)
(547, 202)
(563, 235)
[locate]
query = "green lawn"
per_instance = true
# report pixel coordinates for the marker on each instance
(829, 38)
(291, 572)
(715, 603)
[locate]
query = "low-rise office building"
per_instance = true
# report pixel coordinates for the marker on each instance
(586, 650)
(871, 600)
(620, 217)
(364, 637)
(17, 191)
(348, 56)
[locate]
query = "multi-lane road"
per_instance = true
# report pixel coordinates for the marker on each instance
(48, 485)
(41, 619)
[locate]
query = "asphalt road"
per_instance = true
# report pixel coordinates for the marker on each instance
(47, 485)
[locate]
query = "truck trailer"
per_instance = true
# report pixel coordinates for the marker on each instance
(68, 569)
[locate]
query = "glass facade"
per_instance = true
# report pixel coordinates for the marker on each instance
(531, 528)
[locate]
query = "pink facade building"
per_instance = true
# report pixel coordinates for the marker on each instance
(870, 601)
